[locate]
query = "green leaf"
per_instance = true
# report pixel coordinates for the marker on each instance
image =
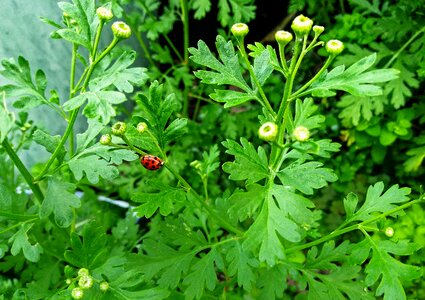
(163, 200)
(99, 104)
(304, 114)
(201, 7)
(28, 93)
(165, 262)
(228, 71)
(99, 161)
(355, 80)
(93, 130)
(262, 67)
(249, 164)
(49, 142)
(242, 264)
(21, 241)
(283, 214)
(88, 250)
(176, 129)
(60, 200)
(7, 119)
(203, 275)
(350, 204)
(231, 98)
(245, 204)
(119, 75)
(73, 37)
(307, 176)
(415, 160)
(355, 109)
(378, 202)
(83, 12)
(390, 272)
(235, 11)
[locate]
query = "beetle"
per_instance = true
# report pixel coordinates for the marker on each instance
(151, 162)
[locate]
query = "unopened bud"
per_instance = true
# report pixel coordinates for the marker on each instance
(301, 133)
(334, 47)
(301, 25)
(268, 131)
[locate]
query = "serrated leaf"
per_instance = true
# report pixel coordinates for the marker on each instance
(235, 11)
(376, 201)
(203, 275)
(415, 160)
(201, 7)
(231, 98)
(242, 264)
(243, 204)
(49, 142)
(88, 250)
(350, 204)
(163, 201)
(249, 164)
(307, 176)
(99, 104)
(99, 161)
(20, 241)
(262, 66)
(355, 80)
(120, 75)
(391, 271)
(85, 138)
(73, 37)
(176, 129)
(283, 214)
(60, 200)
(355, 109)
(304, 114)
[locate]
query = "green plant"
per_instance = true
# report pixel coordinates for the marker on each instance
(253, 231)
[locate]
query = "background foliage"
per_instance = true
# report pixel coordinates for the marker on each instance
(229, 216)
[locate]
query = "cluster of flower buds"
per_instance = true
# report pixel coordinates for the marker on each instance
(85, 282)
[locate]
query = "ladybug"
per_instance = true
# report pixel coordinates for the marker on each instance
(151, 162)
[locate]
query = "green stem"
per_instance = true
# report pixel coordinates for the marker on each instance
(305, 86)
(17, 225)
(185, 15)
(24, 172)
(283, 60)
(223, 223)
(264, 99)
(144, 48)
(389, 63)
(341, 231)
(96, 40)
(71, 90)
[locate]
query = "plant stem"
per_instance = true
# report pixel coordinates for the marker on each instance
(185, 15)
(389, 63)
(24, 172)
(71, 91)
(305, 86)
(341, 231)
(223, 223)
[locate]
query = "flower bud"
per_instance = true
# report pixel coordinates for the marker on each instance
(121, 30)
(119, 128)
(389, 231)
(83, 272)
(68, 281)
(85, 282)
(301, 133)
(105, 139)
(334, 47)
(77, 293)
(196, 164)
(283, 37)
(141, 127)
(104, 286)
(318, 29)
(104, 14)
(268, 131)
(301, 25)
(239, 30)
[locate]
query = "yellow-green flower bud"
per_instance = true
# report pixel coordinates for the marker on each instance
(141, 127)
(68, 281)
(334, 47)
(318, 29)
(85, 282)
(104, 286)
(104, 14)
(239, 30)
(83, 272)
(389, 231)
(283, 37)
(105, 139)
(196, 164)
(119, 128)
(268, 131)
(301, 25)
(121, 30)
(77, 293)
(301, 133)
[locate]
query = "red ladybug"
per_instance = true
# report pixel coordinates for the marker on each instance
(151, 162)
